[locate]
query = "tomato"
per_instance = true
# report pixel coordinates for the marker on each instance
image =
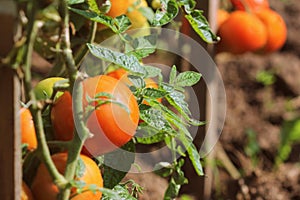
(121, 74)
(242, 32)
(129, 8)
(118, 7)
(28, 133)
(276, 29)
(44, 88)
(111, 125)
(250, 5)
(222, 15)
(26, 193)
(44, 189)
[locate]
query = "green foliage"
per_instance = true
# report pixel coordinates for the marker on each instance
(290, 134)
(128, 62)
(80, 168)
(266, 77)
(122, 193)
(116, 160)
(141, 47)
(167, 14)
(252, 148)
(201, 26)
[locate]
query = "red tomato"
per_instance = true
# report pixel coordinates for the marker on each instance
(44, 189)
(111, 125)
(252, 5)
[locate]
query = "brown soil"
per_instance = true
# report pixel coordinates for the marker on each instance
(263, 109)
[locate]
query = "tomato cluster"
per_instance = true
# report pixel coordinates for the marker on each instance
(110, 124)
(252, 26)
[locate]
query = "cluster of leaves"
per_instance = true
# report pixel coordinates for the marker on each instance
(160, 123)
(165, 14)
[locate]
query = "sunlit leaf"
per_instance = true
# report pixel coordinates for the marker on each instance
(128, 62)
(166, 14)
(201, 26)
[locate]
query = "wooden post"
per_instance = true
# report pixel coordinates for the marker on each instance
(198, 186)
(10, 141)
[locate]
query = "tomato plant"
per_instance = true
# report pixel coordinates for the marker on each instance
(97, 114)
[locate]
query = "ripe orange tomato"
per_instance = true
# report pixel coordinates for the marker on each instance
(276, 29)
(241, 32)
(27, 129)
(121, 74)
(44, 189)
(26, 193)
(111, 125)
(130, 8)
(118, 7)
(252, 5)
(222, 15)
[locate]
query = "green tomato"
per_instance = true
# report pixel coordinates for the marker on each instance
(44, 89)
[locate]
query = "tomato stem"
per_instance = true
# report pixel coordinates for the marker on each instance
(75, 77)
(42, 149)
(84, 49)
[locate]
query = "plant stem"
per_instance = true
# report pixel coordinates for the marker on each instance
(84, 49)
(77, 93)
(35, 109)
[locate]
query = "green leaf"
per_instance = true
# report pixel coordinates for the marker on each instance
(168, 12)
(290, 134)
(187, 78)
(73, 2)
(172, 190)
(177, 99)
(116, 160)
(105, 7)
(178, 176)
(163, 169)
(152, 71)
(193, 153)
(122, 22)
(137, 81)
(114, 194)
(142, 46)
(154, 93)
(172, 75)
(201, 26)
(101, 18)
(291, 130)
(80, 168)
(155, 119)
(128, 62)
(93, 6)
(188, 5)
(149, 135)
(121, 191)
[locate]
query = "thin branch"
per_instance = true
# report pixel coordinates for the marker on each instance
(84, 49)
(77, 92)
(35, 109)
